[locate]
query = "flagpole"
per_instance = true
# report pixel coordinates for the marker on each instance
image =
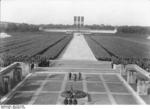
(0, 11)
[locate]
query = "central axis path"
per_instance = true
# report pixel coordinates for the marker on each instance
(78, 49)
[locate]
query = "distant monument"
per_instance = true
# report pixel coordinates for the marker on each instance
(78, 21)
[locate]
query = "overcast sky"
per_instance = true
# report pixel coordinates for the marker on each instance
(114, 12)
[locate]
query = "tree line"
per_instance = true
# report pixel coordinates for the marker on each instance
(15, 27)
(133, 29)
(24, 27)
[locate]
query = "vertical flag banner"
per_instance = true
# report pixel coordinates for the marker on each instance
(78, 21)
(82, 21)
(75, 20)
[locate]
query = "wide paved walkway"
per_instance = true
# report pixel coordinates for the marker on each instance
(46, 88)
(78, 49)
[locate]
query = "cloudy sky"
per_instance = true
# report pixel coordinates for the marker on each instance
(114, 12)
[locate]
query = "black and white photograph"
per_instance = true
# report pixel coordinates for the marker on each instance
(74, 52)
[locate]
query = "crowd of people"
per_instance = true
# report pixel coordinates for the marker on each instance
(6, 60)
(71, 100)
(142, 62)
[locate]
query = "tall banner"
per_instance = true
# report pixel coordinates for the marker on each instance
(82, 21)
(78, 21)
(75, 20)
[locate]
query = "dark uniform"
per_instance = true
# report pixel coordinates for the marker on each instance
(74, 101)
(80, 76)
(70, 101)
(66, 101)
(70, 76)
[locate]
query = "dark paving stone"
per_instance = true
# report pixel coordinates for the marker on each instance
(100, 99)
(52, 86)
(30, 86)
(95, 87)
(1, 92)
(37, 77)
(119, 88)
(125, 77)
(92, 77)
(111, 78)
(75, 85)
(146, 98)
(20, 98)
(57, 77)
(47, 98)
(134, 86)
(125, 99)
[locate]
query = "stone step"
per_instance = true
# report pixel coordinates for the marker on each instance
(80, 64)
(80, 61)
(85, 70)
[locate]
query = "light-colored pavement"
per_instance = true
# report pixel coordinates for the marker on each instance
(84, 30)
(78, 49)
(47, 89)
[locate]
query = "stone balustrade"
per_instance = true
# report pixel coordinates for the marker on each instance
(137, 77)
(11, 75)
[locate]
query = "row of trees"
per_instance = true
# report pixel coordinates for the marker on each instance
(134, 29)
(13, 27)
(61, 26)
(56, 26)
(100, 27)
(23, 27)
(121, 29)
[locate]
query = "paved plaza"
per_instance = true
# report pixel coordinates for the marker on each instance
(46, 88)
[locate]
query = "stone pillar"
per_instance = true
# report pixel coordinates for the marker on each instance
(142, 87)
(114, 66)
(15, 75)
(6, 86)
(123, 70)
(139, 86)
(132, 81)
(148, 88)
(18, 72)
(128, 76)
(131, 77)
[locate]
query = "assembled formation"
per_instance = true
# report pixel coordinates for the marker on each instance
(71, 98)
(75, 76)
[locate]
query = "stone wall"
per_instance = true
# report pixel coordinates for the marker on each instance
(11, 75)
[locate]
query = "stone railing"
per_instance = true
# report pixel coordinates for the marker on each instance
(11, 75)
(137, 77)
(139, 69)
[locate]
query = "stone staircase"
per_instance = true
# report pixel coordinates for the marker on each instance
(79, 66)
